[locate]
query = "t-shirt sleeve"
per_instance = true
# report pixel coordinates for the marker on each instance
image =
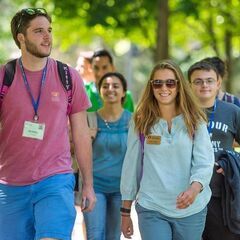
(80, 100)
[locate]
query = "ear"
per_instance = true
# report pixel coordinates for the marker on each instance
(21, 38)
(219, 83)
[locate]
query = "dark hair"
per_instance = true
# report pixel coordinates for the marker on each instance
(119, 76)
(218, 63)
(201, 65)
(21, 20)
(102, 53)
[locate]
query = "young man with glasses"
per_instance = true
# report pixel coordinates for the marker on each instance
(36, 180)
(221, 68)
(223, 128)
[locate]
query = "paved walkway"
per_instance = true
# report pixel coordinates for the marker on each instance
(78, 229)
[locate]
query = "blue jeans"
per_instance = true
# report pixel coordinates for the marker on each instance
(153, 225)
(104, 221)
(41, 210)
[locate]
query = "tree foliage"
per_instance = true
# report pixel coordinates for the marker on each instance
(192, 28)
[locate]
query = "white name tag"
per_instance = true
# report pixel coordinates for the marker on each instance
(33, 130)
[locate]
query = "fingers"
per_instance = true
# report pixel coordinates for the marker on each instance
(88, 204)
(185, 199)
(128, 234)
(220, 170)
(183, 204)
(127, 227)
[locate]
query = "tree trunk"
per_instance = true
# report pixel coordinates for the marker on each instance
(161, 51)
(212, 34)
(229, 62)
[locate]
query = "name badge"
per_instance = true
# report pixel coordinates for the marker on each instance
(153, 139)
(33, 130)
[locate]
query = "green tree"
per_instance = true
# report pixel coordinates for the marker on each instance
(218, 28)
(182, 29)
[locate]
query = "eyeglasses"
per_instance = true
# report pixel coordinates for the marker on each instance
(200, 82)
(170, 83)
(30, 12)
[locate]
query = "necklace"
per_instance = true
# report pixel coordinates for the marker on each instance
(106, 124)
(113, 118)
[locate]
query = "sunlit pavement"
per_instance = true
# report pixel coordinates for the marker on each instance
(78, 227)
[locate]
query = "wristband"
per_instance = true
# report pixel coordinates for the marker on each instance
(125, 210)
(201, 189)
(125, 215)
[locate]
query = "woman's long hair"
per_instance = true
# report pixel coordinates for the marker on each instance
(147, 112)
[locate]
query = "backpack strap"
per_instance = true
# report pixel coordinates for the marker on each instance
(237, 101)
(7, 79)
(92, 123)
(92, 119)
(66, 79)
(63, 71)
(142, 139)
(228, 98)
(232, 98)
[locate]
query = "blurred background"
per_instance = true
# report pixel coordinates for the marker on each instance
(138, 33)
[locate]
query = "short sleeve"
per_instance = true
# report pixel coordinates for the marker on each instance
(80, 100)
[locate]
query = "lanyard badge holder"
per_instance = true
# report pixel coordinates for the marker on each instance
(34, 129)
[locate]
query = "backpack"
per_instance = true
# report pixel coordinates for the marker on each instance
(63, 71)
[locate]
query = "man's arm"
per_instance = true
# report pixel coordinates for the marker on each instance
(83, 150)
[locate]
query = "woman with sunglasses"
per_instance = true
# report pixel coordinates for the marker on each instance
(175, 160)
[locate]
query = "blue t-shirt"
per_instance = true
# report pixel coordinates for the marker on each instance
(109, 148)
(225, 128)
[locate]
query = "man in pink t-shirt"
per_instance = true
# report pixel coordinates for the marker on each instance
(36, 180)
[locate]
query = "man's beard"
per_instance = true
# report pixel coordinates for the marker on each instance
(31, 48)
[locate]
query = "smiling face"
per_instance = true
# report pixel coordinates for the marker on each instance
(165, 95)
(38, 38)
(111, 90)
(205, 85)
(101, 65)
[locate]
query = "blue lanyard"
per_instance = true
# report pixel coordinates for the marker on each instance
(211, 117)
(35, 104)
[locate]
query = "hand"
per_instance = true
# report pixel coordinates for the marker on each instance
(127, 226)
(186, 198)
(220, 171)
(88, 199)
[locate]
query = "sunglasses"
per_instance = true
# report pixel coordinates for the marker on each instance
(169, 83)
(30, 12)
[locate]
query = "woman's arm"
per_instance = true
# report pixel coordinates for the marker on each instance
(201, 167)
(130, 179)
(202, 157)
(131, 166)
(127, 224)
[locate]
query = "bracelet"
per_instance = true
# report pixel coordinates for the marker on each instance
(125, 210)
(201, 189)
(125, 215)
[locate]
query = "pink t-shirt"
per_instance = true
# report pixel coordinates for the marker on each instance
(26, 160)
